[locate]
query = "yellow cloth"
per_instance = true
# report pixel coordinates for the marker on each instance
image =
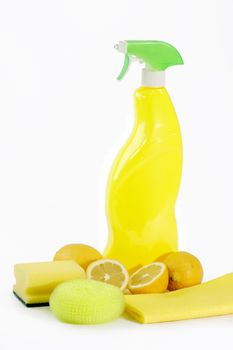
(212, 298)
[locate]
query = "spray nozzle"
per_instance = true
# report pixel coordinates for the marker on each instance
(121, 46)
(157, 55)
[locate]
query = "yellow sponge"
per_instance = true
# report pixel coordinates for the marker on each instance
(36, 281)
(86, 302)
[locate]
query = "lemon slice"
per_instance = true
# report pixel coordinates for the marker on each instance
(152, 278)
(109, 271)
(134, 269)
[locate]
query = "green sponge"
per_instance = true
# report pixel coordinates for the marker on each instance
(86, 302)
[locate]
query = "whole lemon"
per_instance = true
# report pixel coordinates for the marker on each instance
(184, 269)
(82, 254)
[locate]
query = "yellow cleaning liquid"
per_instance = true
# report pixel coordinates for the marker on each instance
(144, 183)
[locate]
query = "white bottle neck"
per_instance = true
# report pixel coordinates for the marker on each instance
(153, 78)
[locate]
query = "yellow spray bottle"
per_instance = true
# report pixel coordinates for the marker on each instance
(144, 181)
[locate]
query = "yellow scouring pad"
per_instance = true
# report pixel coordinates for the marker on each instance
(86, 302)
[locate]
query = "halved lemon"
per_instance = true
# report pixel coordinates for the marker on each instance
(134, 269)
(109, 271)
(152, 278)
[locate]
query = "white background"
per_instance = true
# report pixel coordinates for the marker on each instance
(63, 117)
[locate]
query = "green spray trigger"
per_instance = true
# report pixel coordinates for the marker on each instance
(124, 68)
(156, 55)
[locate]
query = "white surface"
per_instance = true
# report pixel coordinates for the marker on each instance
(59, 133)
